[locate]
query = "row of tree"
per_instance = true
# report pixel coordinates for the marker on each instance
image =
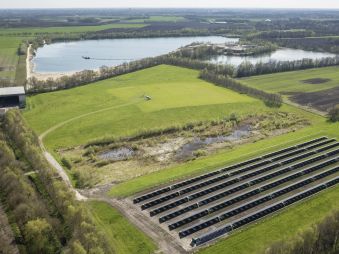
(203, 51)
(7, 241)
(322, 238)
(272, 100)
(247, 69)
(39, 232)
(327, 44)
(80, 234)
(291, 33)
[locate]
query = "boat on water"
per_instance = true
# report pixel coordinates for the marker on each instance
(86, 57)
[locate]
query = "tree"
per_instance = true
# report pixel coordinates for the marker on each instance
(334, 113)
(39, 237)
(77, 248)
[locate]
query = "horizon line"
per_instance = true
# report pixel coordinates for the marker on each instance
(159, 8)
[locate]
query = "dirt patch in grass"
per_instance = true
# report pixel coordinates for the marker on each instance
(316, 81)
(321, 100)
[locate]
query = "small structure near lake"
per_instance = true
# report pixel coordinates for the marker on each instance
(12, 97)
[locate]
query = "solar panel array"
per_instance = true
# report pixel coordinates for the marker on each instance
(225, 196)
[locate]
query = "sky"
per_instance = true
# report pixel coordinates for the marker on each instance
(327, 4)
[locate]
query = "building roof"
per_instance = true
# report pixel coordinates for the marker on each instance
(16, 90)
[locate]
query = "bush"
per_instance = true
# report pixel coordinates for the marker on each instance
(334, 113)
(65, 162)
(199, 153)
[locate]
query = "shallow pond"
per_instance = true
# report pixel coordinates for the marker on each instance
(187, 150)
(117, 154)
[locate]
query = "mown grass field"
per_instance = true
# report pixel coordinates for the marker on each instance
(123, 237)
(293, 81)
(67, 29)
(116, 107)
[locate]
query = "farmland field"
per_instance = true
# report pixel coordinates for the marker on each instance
(116, 107)
(70, 29)
(314, 88)
(8, 56)
(296, 81)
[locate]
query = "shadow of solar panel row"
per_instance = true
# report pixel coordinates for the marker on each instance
(201, 177)
(262, 213)
(225, 184)
(244, 196)
(251, 204)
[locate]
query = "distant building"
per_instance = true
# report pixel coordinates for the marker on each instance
(268, 20)
(12, 97)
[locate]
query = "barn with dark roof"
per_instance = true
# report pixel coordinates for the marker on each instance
(12, 97)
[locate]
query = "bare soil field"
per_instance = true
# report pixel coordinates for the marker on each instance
(322, 100)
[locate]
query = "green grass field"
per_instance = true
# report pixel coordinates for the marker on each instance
(9, 57)
(123, 237)
(292, 81)
(116, 107)
(68, 29)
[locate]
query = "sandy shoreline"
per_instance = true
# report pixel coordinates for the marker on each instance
(41, 76)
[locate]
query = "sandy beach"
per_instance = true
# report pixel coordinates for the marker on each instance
(41, 76)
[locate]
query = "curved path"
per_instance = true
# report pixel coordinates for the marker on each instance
(54, 163)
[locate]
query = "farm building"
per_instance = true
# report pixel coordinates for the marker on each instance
(12, 97)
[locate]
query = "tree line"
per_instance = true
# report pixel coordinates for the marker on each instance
(322, 238)
(204, 51)
(291, 33)
(57, 224)
(7, 241)
(324, 44)
(247, 69)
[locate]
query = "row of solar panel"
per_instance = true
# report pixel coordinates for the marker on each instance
(246, 195)
(262, 213)
(260, 200)
(227, 175)
(201, 177)
(224, 184)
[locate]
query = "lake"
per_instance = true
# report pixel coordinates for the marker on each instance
(67, 56)
(283, 54)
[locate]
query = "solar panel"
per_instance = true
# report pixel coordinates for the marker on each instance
(201, 177)
(261, 213)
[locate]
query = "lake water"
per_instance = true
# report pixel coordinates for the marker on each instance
(67, 56)
(283, 54)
